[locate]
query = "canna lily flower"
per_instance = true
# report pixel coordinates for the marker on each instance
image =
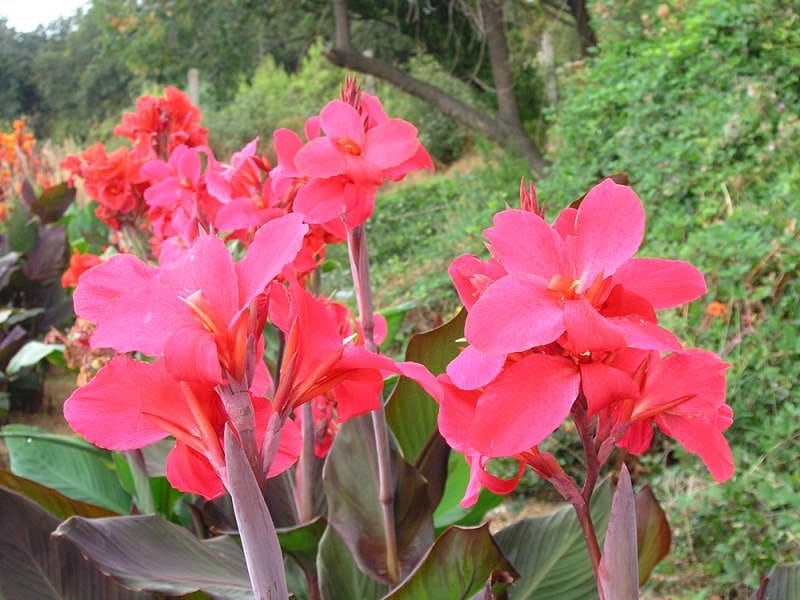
(130, 404)
(682, 393)
(318, 360)
(201, 310)
(577, 277)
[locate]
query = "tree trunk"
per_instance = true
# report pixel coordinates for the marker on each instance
(505, 128)
(585, 32)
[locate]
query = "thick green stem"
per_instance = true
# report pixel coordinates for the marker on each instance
(141, 481)
(359, 266)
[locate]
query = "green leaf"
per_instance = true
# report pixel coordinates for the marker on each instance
(450, 511)
(784, 583)
(350, 481)
(550, 553)
(30, 354)
(394, 318)
(339, 576)
(459, 565)
(146, 552)
(36, 567)
(51, 500)
(67, 463)
(653, 536)
(410, 411)
(21, 229)
(302, 542)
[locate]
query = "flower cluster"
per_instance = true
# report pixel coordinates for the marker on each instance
(200, 315)
(562, 319)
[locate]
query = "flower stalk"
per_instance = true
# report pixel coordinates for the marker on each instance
(359, 266)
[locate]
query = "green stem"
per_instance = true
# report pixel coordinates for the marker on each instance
(141, 481)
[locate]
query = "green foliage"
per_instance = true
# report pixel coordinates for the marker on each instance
(699, 104)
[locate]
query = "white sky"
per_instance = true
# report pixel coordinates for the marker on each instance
(26, 15)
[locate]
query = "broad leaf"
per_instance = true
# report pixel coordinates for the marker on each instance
(48, 257)
(51, 500)
(550, 554)
(350, 480)
(35, 568)
(618, 571)
(302, 543)
(53, 202)
(410, 411)
(339, 576)
(783, 583)
(67, 463)
(653, 536)
(149, 553)
(394, 318)
(30, 354)
(459, 565)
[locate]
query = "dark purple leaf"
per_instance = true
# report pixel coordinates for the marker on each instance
(48, 258)
(147, 552)
(782, 583)
(653, 536)
(618, 573)
(350, 480)
(53, 202)
(256, 529)
(34, 567)
(339, 576)
(28, 194)
(9, 263)
(550, 553)
(461, 564)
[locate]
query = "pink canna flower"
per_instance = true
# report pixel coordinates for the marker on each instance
(683, 393)
(131, 404)
(202, 310)
(577, 277)
(360, 149)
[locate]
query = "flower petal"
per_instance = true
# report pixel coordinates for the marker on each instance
(514, 314)
(588, 330)
(110, 410)
(473, 369)
(275, 244)
(320, 158)
(391, 143)
(525, 404)
(191, 472)
(526, 245)
(664, 283)
(608, 230)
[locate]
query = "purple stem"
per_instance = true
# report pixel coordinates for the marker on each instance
(235, 398)
(305, 468)
(359, 266)
(582, 506)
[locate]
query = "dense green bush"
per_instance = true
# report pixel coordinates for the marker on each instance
(700, 104)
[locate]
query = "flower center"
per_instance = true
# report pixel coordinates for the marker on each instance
(349, 146)
(563, 287)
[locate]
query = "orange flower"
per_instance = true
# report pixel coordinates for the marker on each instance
(716, 309)
(78, 263)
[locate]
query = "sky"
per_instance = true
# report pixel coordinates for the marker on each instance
(26, 15)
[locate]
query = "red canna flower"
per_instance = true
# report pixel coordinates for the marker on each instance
(78, 264)
(130, 404)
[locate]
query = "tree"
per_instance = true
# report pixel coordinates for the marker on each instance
(487, 18)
